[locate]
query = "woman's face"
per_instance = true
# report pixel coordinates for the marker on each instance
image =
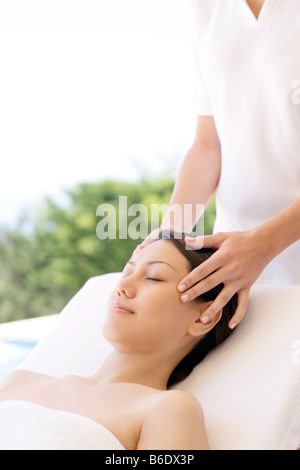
(148, 287)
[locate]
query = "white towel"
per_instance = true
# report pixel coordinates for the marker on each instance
(28, 426)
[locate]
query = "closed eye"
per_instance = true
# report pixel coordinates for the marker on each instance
(149, 278)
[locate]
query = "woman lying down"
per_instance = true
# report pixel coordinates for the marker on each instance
(128, 404)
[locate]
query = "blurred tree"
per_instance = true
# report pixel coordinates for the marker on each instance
(48, 257)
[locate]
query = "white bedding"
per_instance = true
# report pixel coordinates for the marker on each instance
(249, 387)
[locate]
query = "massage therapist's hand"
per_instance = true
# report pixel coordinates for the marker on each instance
(238, 262)
(154, 235)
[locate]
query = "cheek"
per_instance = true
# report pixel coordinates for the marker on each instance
(165, 316)
(160, 304)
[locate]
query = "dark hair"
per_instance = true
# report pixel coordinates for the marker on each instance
(221, 331)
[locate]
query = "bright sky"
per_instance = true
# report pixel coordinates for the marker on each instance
(90, 89)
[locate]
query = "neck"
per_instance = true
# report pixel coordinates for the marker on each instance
(152, 370)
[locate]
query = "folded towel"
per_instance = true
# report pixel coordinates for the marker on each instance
(28, 426)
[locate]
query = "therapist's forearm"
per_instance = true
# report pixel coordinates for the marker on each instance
(282, 230)
(195, 185)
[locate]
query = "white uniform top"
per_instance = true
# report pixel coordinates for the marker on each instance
(248, 78)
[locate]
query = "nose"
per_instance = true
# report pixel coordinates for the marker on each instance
(125, 287)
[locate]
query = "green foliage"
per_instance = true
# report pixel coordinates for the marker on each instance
(48, 257)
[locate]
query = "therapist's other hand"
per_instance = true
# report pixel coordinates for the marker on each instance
(154, 235)
(238, 262)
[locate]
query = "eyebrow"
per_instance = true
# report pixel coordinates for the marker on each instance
(153, 262)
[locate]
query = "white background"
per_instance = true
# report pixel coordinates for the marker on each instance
(89, 90)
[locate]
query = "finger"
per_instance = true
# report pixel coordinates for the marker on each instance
(199, 273)
(154, 235)
(243, 301)
(137, 250)
(196, 243)
(203, 286)
(221, 300)
(207, 241)
(149, 239)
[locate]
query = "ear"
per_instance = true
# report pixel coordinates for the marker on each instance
(197, 328)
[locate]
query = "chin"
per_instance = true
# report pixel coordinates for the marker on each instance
(117, 334)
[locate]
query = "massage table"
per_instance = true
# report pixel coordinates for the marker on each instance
(249, 387)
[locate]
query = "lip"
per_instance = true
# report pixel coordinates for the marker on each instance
(117, 305)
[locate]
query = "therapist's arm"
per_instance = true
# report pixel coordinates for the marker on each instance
(198, 176)
(240, 259)
(196, 182)
(282, 230)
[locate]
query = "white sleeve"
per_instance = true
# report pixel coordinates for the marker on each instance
(201, 100)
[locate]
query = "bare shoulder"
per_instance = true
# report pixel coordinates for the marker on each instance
(12, 378)
(19, 377)
(179, 406)
(179, 401)
(174, 420)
